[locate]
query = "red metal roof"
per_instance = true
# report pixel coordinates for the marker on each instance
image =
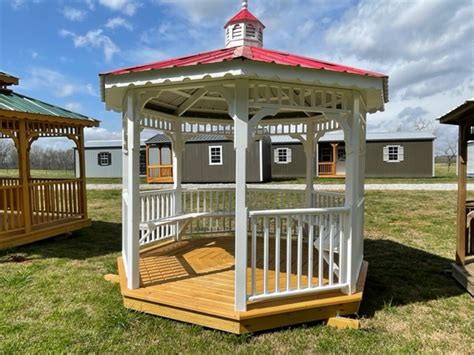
(243, 15)
(248, 53)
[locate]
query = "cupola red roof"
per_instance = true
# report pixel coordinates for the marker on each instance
(243, 15)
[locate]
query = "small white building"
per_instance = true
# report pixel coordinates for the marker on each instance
(103, 159)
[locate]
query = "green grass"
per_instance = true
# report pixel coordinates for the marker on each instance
(442, 175)
(54, 298)
(441, 172)
(39, 173)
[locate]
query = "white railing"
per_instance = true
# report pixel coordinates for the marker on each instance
(298, 251)
(209, 200)
(155, 205)
(324, 199)
(161, 204)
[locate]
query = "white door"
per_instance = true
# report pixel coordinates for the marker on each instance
(341, 161)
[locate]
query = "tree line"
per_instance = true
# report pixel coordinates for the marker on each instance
(41, 158)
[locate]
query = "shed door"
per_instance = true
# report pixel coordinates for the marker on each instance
(341, 161)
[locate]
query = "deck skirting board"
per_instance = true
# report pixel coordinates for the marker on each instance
(12, 241)
(465, 276)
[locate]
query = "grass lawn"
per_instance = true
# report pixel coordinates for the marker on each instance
(54, 298)
(442, 175)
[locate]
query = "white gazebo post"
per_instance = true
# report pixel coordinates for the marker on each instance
(177, 149)
(241, 140)
(131, 191)
(354, 192)
(310, 161)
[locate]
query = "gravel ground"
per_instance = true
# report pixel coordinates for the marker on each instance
(325, 187)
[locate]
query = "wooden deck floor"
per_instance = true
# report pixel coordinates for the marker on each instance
(193, 281)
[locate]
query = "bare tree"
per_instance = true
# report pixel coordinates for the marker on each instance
(423, 125)
(450, 151)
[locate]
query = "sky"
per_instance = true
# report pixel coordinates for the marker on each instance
(58, 47)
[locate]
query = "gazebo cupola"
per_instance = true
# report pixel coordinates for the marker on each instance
(244, 29)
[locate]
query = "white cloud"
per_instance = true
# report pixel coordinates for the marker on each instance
(74, 106)
(100, 133)
(128, 7)
(94, 39)
(55, 82)
(90, 4)
(119, 22)
(73, 14)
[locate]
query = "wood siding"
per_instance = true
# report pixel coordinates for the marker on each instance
(196, 168)
(297, 167)
(418, 160)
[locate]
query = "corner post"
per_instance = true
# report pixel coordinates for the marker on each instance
(464, 128)
(239, 111)
(24, 174)
(82, 172)
(355, 194)
(309, 150)
(131, 191)
(177, 150)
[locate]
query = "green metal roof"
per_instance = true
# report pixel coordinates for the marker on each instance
(13, 101)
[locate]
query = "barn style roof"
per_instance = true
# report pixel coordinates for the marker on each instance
(163, 138)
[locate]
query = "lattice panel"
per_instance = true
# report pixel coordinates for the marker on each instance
(296, 96)
(46, 129)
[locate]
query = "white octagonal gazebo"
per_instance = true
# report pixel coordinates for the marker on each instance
(243, 259)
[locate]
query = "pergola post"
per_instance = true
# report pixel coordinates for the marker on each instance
(24, 174)
(464, 128)
(241, 141)
(82, 172)
(177, 150)
(131, 192)
(354, 193)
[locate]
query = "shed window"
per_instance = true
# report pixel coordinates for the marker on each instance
(104, 159)
(393, 153)
(215, 155)
(282, 155)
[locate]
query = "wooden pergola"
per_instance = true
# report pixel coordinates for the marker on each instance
(282, 256)
(463, 268)
(31, 208)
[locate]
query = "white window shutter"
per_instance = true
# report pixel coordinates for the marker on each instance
(288, 155)
(385, 153)
(275, 155)
(401, 153)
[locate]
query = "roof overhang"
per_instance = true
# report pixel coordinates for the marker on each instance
(114, 87)
(48, 118)
(460, 113)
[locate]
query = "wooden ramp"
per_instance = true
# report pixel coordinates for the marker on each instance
(193, 281)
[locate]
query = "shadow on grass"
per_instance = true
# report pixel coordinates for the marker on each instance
(101, 238)
(399, 275)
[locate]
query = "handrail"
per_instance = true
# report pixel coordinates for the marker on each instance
(298, 211)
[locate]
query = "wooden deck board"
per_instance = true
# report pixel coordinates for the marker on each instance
(193, 281)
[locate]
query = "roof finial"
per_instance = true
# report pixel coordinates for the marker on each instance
(245, 4)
